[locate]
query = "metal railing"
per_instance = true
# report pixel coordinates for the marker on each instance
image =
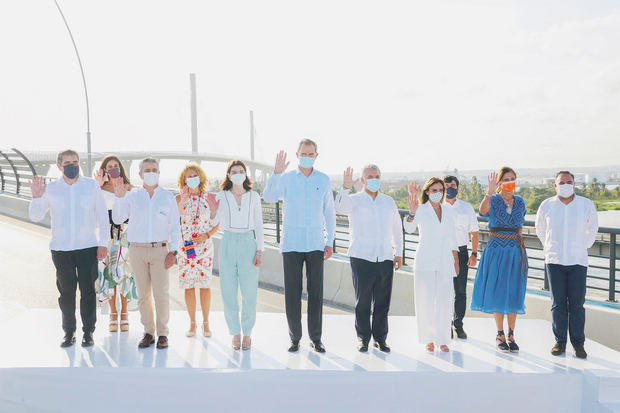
(16, 172)
(601, 284)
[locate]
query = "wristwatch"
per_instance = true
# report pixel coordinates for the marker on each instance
(410, 217)
(474, 253)
(174, 253)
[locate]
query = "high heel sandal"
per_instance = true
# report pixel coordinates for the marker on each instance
(512, 344)
(190, 332)
(501, 344)
(247, 343)
(430, 347)
(444, 348)
(113, 323)
(205, 329)
(125, 323)
(236, 342)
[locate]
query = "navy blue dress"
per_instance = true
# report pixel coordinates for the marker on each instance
(501, 279)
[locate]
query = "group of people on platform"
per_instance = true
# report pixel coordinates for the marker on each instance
(111, 238)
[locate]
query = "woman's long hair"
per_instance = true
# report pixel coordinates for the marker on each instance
(430, 182)
(227, 183)
(108, 158)
(194, 167)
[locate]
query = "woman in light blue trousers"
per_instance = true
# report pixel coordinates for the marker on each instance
(240, 254)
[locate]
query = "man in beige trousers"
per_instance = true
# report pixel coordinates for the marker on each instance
(154, 234)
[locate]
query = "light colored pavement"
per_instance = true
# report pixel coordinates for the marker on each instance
(27, 275)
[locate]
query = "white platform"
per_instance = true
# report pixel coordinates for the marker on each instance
(36, 374)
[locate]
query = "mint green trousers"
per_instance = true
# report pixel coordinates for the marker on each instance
(237, 271)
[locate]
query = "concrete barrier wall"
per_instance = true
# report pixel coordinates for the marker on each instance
(602, 323)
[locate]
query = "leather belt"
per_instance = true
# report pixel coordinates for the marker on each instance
(156, 244)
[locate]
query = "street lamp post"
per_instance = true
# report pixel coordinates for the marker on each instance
(77, 54)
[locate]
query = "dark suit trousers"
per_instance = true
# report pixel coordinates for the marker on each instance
(293, 284)
(77, 268)
(460, 288)
(373, 291)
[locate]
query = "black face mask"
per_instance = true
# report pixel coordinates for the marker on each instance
(451, 192)
(71, 171)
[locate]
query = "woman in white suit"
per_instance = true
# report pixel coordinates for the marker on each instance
(436, 262)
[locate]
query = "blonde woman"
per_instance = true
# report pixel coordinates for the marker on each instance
(436, 262)
(195, 260)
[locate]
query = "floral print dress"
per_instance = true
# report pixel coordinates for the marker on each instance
(195, 272)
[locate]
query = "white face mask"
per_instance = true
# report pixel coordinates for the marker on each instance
(150, 178)
(237, 179)
(435, 197)
(566, 190)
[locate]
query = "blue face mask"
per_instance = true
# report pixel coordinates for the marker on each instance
(306, 162)
(71, 171)
(373, 184)
(451, 192)
(193, 182)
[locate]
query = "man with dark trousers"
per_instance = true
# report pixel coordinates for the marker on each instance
(466, 226)
(79, 238)
(375, 252)
(307, 237)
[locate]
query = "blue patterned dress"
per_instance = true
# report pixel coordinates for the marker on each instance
(502, 274)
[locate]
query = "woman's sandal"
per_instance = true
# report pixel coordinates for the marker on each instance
(191, 332)
(512, 344)
(125, 322)
(113, 323)
(444, 348)
(500, 341)
(430, 347)
(205, 329)
(236, 342)
(247, 343)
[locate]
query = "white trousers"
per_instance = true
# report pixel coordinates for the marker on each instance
(434, 306)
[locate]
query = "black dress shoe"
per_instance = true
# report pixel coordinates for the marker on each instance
(317, 346)
(294, 347)
(362, 346)
(146, 341)
(68, 340)
(460, 333)
(87, 340)
(558, 349)
(382, 346)
(580, 352)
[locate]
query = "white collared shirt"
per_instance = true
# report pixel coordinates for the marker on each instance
(150, 219)
(248, 217)
(567, 230)
(465, 220)
(79, 215)
(375, 229)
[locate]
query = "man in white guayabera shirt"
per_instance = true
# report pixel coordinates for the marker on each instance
(154, 233)
(80, 232)
(376, 250)
(567, 225)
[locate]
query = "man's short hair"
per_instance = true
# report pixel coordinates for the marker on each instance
(306, 141)
(149, 159)
(449, 178)
(565, 172)
(370, 166)
(66, 152)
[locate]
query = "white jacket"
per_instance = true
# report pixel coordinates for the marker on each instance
(437, 239)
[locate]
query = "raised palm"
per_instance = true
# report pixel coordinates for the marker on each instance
(347, 180)
(37, 186)
(213, 204)
(101, 177)
(412, 200)
(281, 163)
(120, 189)
(493, 184)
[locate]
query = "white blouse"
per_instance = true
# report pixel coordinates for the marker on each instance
(235, 218)
(437, 239)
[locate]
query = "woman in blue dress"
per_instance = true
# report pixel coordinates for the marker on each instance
(502, 274)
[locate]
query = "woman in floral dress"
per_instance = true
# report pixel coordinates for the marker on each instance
(115, 270)
(195, 258)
